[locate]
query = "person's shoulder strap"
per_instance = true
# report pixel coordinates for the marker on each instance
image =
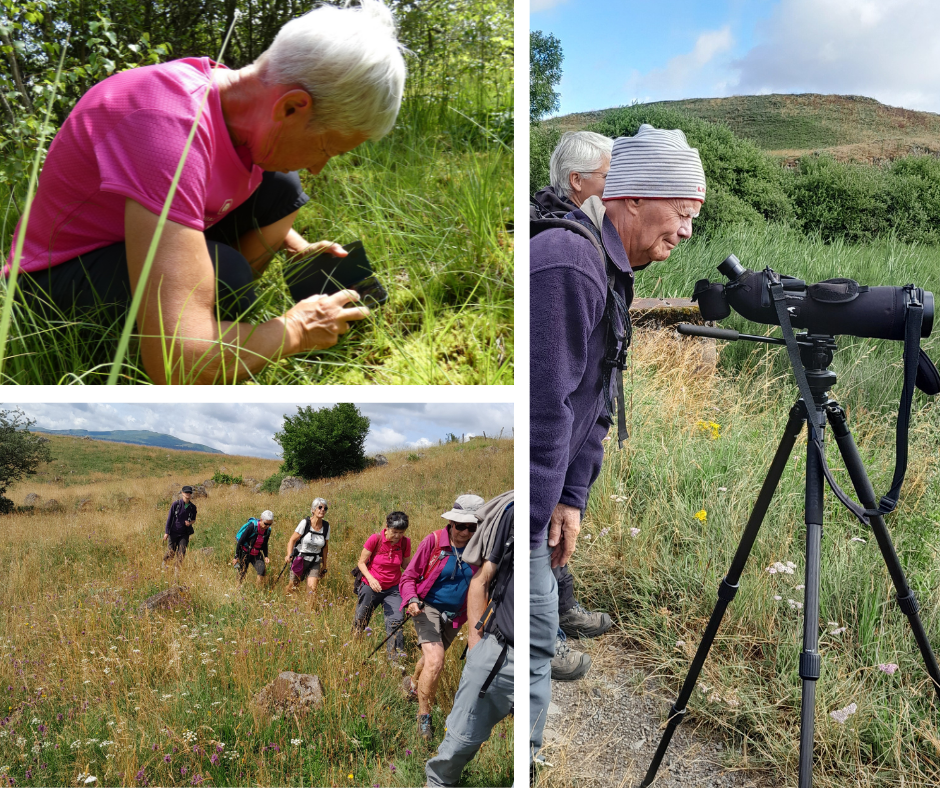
(540, 225)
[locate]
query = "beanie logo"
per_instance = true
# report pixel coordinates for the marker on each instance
(700, 189)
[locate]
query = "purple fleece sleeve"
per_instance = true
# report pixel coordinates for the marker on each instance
(566, 305)
(582, 474)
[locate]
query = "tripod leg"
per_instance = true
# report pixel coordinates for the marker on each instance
(866, 496)
(809, 657)
(729, 585)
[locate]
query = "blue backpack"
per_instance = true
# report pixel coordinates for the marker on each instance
(252, 523)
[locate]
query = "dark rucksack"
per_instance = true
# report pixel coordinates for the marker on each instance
(615, 355)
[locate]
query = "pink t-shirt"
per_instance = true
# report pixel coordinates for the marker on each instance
(385, 563)
(124, 139)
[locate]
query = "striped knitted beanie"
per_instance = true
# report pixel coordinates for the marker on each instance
(655, 163)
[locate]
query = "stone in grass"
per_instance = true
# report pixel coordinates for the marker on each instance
(290, 693)
(171, 599)
(289, 483)
(31, 500)
(52, 505)
(207, 551)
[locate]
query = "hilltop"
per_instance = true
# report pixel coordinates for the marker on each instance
(850, 128)
(139, 437)
(80, 461)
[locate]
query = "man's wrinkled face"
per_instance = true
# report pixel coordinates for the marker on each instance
(660, 225)
(187, 497)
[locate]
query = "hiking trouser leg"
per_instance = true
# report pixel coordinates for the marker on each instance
(543, 626)
(391, 604)
(565, 581)
(366, 605)
(472, 718)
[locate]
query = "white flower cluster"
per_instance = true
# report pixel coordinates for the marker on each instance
(779, 568)
(189, 736)
(296, 742)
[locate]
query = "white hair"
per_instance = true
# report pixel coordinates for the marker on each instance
(317, 502)
(349, 61)
(578, 151)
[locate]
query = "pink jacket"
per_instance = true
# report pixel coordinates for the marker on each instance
(411, 584)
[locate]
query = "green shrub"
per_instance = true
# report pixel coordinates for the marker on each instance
(273, 483)
(413, 457)
(543, 138)
(223, 478)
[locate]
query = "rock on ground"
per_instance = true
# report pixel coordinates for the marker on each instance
(290, 693)
(172, 598)
(380, 459)
(289, 483)
(603, 730)
(31, 500)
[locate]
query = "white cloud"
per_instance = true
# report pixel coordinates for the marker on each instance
(421, 443)
(384, 438)
(677, 77)
(887, 50)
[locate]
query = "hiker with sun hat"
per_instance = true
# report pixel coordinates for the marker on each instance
(434, 589)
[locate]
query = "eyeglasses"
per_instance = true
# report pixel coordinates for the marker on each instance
(267, 524)
(321, 506)
(464, 527)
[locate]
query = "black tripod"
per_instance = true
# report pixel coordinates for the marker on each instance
(816, 354)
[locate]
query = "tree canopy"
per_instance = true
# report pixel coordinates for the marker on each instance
(324, 442)
(21, 452)
(545, 57)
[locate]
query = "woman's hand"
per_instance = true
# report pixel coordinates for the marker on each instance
(316, 323)
(413, 609)
(322, 247)
(375, 585)
(267, 560)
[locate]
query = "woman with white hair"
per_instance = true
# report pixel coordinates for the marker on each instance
(331, 80)
(307, 550)
(578, 170)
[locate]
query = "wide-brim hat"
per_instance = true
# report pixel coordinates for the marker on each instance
(464, 508)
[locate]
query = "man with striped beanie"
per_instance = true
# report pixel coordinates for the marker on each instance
(581, 286)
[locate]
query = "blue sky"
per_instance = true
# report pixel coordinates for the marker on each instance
(620, 51)
(246, 428)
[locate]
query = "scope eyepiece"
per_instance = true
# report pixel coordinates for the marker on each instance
(731, 267)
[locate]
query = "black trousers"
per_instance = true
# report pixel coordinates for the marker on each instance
(100, 279)
(565, 581)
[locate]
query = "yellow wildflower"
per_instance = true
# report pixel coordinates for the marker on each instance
(702, 515)
(712, 428)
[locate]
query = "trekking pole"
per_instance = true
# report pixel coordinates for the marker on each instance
(286, 563)
(390, 634)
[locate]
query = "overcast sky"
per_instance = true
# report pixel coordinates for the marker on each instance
(620, 51)
(249, 428)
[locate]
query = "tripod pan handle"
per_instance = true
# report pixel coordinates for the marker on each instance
(689, 329)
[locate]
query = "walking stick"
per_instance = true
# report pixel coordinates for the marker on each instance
(286, 563)
(390, 634)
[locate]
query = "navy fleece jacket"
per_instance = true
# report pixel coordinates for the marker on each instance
(568, 418)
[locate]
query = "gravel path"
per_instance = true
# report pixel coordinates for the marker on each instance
(604, 729)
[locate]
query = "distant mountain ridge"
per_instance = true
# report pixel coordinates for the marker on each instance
(136, 437)
(850, 128)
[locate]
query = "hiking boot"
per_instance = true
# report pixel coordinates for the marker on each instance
(568, 664)
(580, 623)
(409, 688)
(425, 726)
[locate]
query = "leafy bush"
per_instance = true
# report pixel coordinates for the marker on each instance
(543, 138)
(273, 483)
(21, 452)
(223, 478)
(413, 457)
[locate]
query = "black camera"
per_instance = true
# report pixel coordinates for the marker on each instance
(835, 306)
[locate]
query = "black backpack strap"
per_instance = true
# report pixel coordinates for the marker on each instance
(500, 660)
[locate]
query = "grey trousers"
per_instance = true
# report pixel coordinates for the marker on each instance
(543, 626)
(472, 719)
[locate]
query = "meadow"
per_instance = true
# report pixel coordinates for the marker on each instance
(96, 688)
(431, 202)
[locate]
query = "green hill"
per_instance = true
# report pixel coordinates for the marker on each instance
(137, 437)
(850, 128)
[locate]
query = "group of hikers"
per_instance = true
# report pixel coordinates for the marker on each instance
(460, 572)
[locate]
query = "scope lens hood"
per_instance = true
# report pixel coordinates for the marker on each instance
(927, 325)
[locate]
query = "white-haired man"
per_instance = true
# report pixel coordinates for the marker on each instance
(331, 79)
(581, 286)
